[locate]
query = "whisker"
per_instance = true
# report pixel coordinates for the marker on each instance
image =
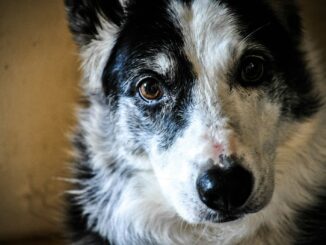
(254, 32)
(201, 234)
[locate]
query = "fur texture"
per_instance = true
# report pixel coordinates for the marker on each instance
(137, 160)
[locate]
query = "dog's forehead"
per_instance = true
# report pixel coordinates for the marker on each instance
(208, 37)
(207, 31)
(204, 32)
(210, 33)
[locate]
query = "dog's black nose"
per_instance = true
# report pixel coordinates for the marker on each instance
(225, 189)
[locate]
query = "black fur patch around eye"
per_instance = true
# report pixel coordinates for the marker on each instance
(148, 31)
(295, 91)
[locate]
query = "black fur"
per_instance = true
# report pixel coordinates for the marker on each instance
(77, 224)
(140, 40)
(84, 17)
(282, 39)
(312, 224)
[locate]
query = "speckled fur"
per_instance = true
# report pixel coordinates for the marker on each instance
(137, 187)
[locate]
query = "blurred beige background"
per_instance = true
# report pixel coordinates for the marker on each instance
(38, 88)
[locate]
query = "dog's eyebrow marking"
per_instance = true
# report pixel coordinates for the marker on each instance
(163, 63)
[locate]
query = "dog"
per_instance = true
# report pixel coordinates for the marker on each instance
(204, 124)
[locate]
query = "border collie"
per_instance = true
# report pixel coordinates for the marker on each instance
(204, 125)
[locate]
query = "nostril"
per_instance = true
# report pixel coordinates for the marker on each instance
(240, 186)
(225, 189)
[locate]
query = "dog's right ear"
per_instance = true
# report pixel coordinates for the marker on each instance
(88, 17)
(95, 25)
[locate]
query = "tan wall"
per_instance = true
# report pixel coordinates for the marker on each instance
(38, 86)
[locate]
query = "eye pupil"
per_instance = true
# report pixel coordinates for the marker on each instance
(252, 69)
(150, 89)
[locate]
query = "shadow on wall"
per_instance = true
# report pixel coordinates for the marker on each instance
(38, 89)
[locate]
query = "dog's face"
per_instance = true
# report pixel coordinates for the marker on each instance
(203, 93)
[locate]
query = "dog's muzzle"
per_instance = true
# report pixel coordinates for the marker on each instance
(225, 190)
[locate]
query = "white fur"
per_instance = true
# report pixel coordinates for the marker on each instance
(95, 55)
(161, 202)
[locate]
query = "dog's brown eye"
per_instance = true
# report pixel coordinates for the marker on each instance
(252, 69)
(150, 89)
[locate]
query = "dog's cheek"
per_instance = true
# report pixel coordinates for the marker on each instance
(132, 134)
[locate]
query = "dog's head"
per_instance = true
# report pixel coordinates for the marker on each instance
(203, 93)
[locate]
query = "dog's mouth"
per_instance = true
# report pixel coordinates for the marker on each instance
(227, 216)
(223, 217)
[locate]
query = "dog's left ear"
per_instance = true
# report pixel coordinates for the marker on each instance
(287, 11)
(87, 17)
